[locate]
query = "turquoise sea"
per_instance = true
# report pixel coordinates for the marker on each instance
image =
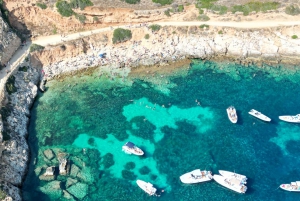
(178, 117)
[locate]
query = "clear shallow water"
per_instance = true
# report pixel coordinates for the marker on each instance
(92, 120)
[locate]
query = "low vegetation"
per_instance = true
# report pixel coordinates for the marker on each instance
(147, 36)
(163, 2)
(220, 32)
(167, 13)
(294, 36)
(121, 35)
(255, 6)
(132, 1)
(202, 26)
(41, 5)
(66, 9)
(247, 8)
(80, 18)
(36, 47)
(10, 85)
(155, 27)
(203, 17)
(24, 68)
(292, 10)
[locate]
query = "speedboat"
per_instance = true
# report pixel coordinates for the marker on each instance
(196, 176)
(231, 112)
(229, 174)
(294, 186)
(259, 115)
(292, 119)
(231, 183)
(147, 187)
(130, 148)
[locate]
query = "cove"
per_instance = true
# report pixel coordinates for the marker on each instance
(179, 119)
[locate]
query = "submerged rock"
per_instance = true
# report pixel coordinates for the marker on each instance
(74, 170)
(68, 196)
(52, 189)
(50, 171)
(78, 190)
(70, 182)
(49, 154)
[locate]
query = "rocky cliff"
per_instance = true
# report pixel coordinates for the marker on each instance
(17, 99)
(9, 42)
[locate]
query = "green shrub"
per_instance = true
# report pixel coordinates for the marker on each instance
(180, 8)
(155, 27)
(203, 25)
(220, 9)
(163, 2)
(147, 36)
(121, 35)
(294, 36)
(132, 1)
(35, 47)
(203, 17)
(81, 18)
(64, 8)
(167, 13)
(41, 5)
(220, 32)
(206, 3)
(96, 19)
(292, 10)
(80, 4)
(201, 11)
(24, 68)
(255, 6)
(10, 85)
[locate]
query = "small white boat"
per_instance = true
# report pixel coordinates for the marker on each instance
(292, 119)
(147, 187)
(231, 112)
(130, 148)
(294, 186)
(229, 174)
(196, 176)
(259, 115)
(231, 183)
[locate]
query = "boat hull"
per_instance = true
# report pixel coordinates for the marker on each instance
(231, 113)
(146, 186)
(259, 115)
(229, 174)
(289, 119)
(190, 178)
(222, 181)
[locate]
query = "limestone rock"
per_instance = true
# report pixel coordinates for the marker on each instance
(86, 175)
(68, 196)
(49, 154)
(52, 189)
(78, 190)
(50, 171)
(74, 170)
(70, 182)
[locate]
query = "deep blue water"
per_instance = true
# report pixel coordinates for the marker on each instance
(92, 119)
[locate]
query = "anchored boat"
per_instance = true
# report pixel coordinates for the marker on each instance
(231, 112)
(130, 148)
(294, 186)
(259, 115)
(147, 187)
(196, 176)
(291, 119)
(231, 183)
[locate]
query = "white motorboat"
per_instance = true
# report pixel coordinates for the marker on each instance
(231, 183)
(292, 119)
(130, 148)
(294, 186)
(231, 112)
(196, 176)
(147, 187)
(229, 174)
(259, 115)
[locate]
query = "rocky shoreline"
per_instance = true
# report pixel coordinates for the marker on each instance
(171, 44)
(163, 48)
